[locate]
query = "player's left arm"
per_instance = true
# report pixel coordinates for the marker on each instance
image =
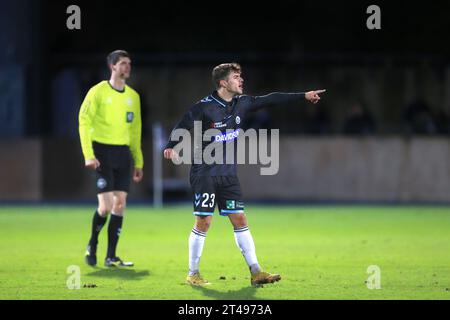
(135, 143)
(276, 98)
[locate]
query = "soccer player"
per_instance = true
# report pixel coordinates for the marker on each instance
(110, 134)
(224, 109)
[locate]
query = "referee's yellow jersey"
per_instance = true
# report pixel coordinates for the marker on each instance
(112, 117)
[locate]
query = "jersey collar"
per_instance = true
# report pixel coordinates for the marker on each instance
(120, 91)
(215, 96)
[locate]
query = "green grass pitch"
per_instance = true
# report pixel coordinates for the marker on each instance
(321, 252)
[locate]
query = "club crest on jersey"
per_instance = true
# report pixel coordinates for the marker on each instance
(238, 119)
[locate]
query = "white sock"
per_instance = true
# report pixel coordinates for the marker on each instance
(196, 243)
(244, 241)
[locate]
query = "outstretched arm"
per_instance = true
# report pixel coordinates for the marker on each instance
(281, 98)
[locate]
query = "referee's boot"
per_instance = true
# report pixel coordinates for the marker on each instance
(197, 280)
(117, 262)
(91, 257)
(262, 277)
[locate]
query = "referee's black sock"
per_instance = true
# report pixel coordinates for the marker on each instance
(114, 228)
(97, 224)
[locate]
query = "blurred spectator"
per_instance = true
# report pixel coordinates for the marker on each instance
(442, 120)
(317, 119)
(419, 118)
(359, 121)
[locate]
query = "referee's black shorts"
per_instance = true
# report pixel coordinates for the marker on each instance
(114, 173)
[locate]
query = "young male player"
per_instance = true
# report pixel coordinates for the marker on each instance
(110, 134)
(224, 109)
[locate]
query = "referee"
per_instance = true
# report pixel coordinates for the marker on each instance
(110, 133)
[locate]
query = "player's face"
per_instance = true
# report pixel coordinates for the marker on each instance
(122, 67)
(235, 83)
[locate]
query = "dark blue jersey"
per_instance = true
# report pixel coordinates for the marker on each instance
(226, 118)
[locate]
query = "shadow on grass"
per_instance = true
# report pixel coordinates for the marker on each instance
(246, 293)
(127, 274)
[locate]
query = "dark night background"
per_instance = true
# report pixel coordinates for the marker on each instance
(393, 82)
(278, 34)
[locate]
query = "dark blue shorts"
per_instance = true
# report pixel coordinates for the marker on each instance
(223, 190)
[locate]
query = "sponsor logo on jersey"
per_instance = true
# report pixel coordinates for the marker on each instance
(231, 204)
(206, 99)
(218, 125)
(226, 136)
(238, 120)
